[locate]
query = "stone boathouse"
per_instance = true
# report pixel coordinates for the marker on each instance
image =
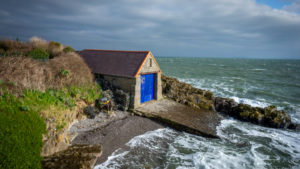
(136, 72)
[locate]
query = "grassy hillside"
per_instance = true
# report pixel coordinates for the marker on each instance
(32, 90)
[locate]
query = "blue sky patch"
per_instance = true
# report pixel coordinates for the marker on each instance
(277, 4)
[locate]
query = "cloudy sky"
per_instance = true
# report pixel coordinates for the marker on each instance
(192, 28)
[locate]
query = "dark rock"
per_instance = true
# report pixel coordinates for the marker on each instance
(268, 117)
(76, 156)
(90, 111)
(122, 99)
(225, 105)
(119, 99)
(294, 126)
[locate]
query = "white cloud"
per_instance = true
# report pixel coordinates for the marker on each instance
(166, 26)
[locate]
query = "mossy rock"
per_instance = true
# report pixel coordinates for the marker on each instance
(244, 107)
(256, 117)
(206, 106)
(259, 109)
(244, 114)
(268, 110)
(278, 120)
(209, 95)
(275, 113)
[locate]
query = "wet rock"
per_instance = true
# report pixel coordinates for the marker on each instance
(268, 117)
(76, 156)
(294, 126)
(225, 105)
(187, 94)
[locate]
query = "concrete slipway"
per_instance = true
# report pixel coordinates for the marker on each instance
(181, 117)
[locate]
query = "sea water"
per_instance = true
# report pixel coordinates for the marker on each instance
(256, 82)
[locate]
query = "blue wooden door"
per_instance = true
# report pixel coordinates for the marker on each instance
(147, 87)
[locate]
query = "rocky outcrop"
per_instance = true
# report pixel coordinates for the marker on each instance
(76, 156)
(119, 99)
(57, 138)
(187, 94)
(268, 117)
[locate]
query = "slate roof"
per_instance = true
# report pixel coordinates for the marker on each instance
(114, 62)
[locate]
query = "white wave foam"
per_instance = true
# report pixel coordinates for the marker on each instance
(110, 163)
(144, 149)
(263, 141)
(189, 151)
(150, 138)
(253, 103)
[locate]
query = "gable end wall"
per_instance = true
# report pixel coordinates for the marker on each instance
(146, 67)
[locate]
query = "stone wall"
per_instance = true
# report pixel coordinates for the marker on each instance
(158, 87)
(127, 84)
(133, 85)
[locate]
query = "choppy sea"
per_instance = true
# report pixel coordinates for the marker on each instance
(256, 82)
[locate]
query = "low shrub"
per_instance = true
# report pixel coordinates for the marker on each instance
(39, 43)
(21, 132)
(69, 49)
(9, 47)
(39, 54)
(55, 49)
(64, 72)
(9, 54)
(57, 44)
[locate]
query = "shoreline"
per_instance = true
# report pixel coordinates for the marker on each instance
(116, 133)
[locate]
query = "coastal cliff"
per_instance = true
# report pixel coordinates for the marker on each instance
(43, 89)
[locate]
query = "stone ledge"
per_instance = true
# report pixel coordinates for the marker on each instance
(181, 117)
(76, 156)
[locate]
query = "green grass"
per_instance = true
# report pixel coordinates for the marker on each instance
(20, 134)
(22, 121)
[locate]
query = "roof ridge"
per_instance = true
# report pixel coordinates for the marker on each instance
(113, 50)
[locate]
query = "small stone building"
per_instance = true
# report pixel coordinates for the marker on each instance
(136, 72)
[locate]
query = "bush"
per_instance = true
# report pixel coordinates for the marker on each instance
(39, 54)
(20, 134)
(57, 44)
(69, 49)
(32, 74)
(39, 43)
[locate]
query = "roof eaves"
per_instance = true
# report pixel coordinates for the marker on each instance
(142, 64)
(116, 51)
(155, 62)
